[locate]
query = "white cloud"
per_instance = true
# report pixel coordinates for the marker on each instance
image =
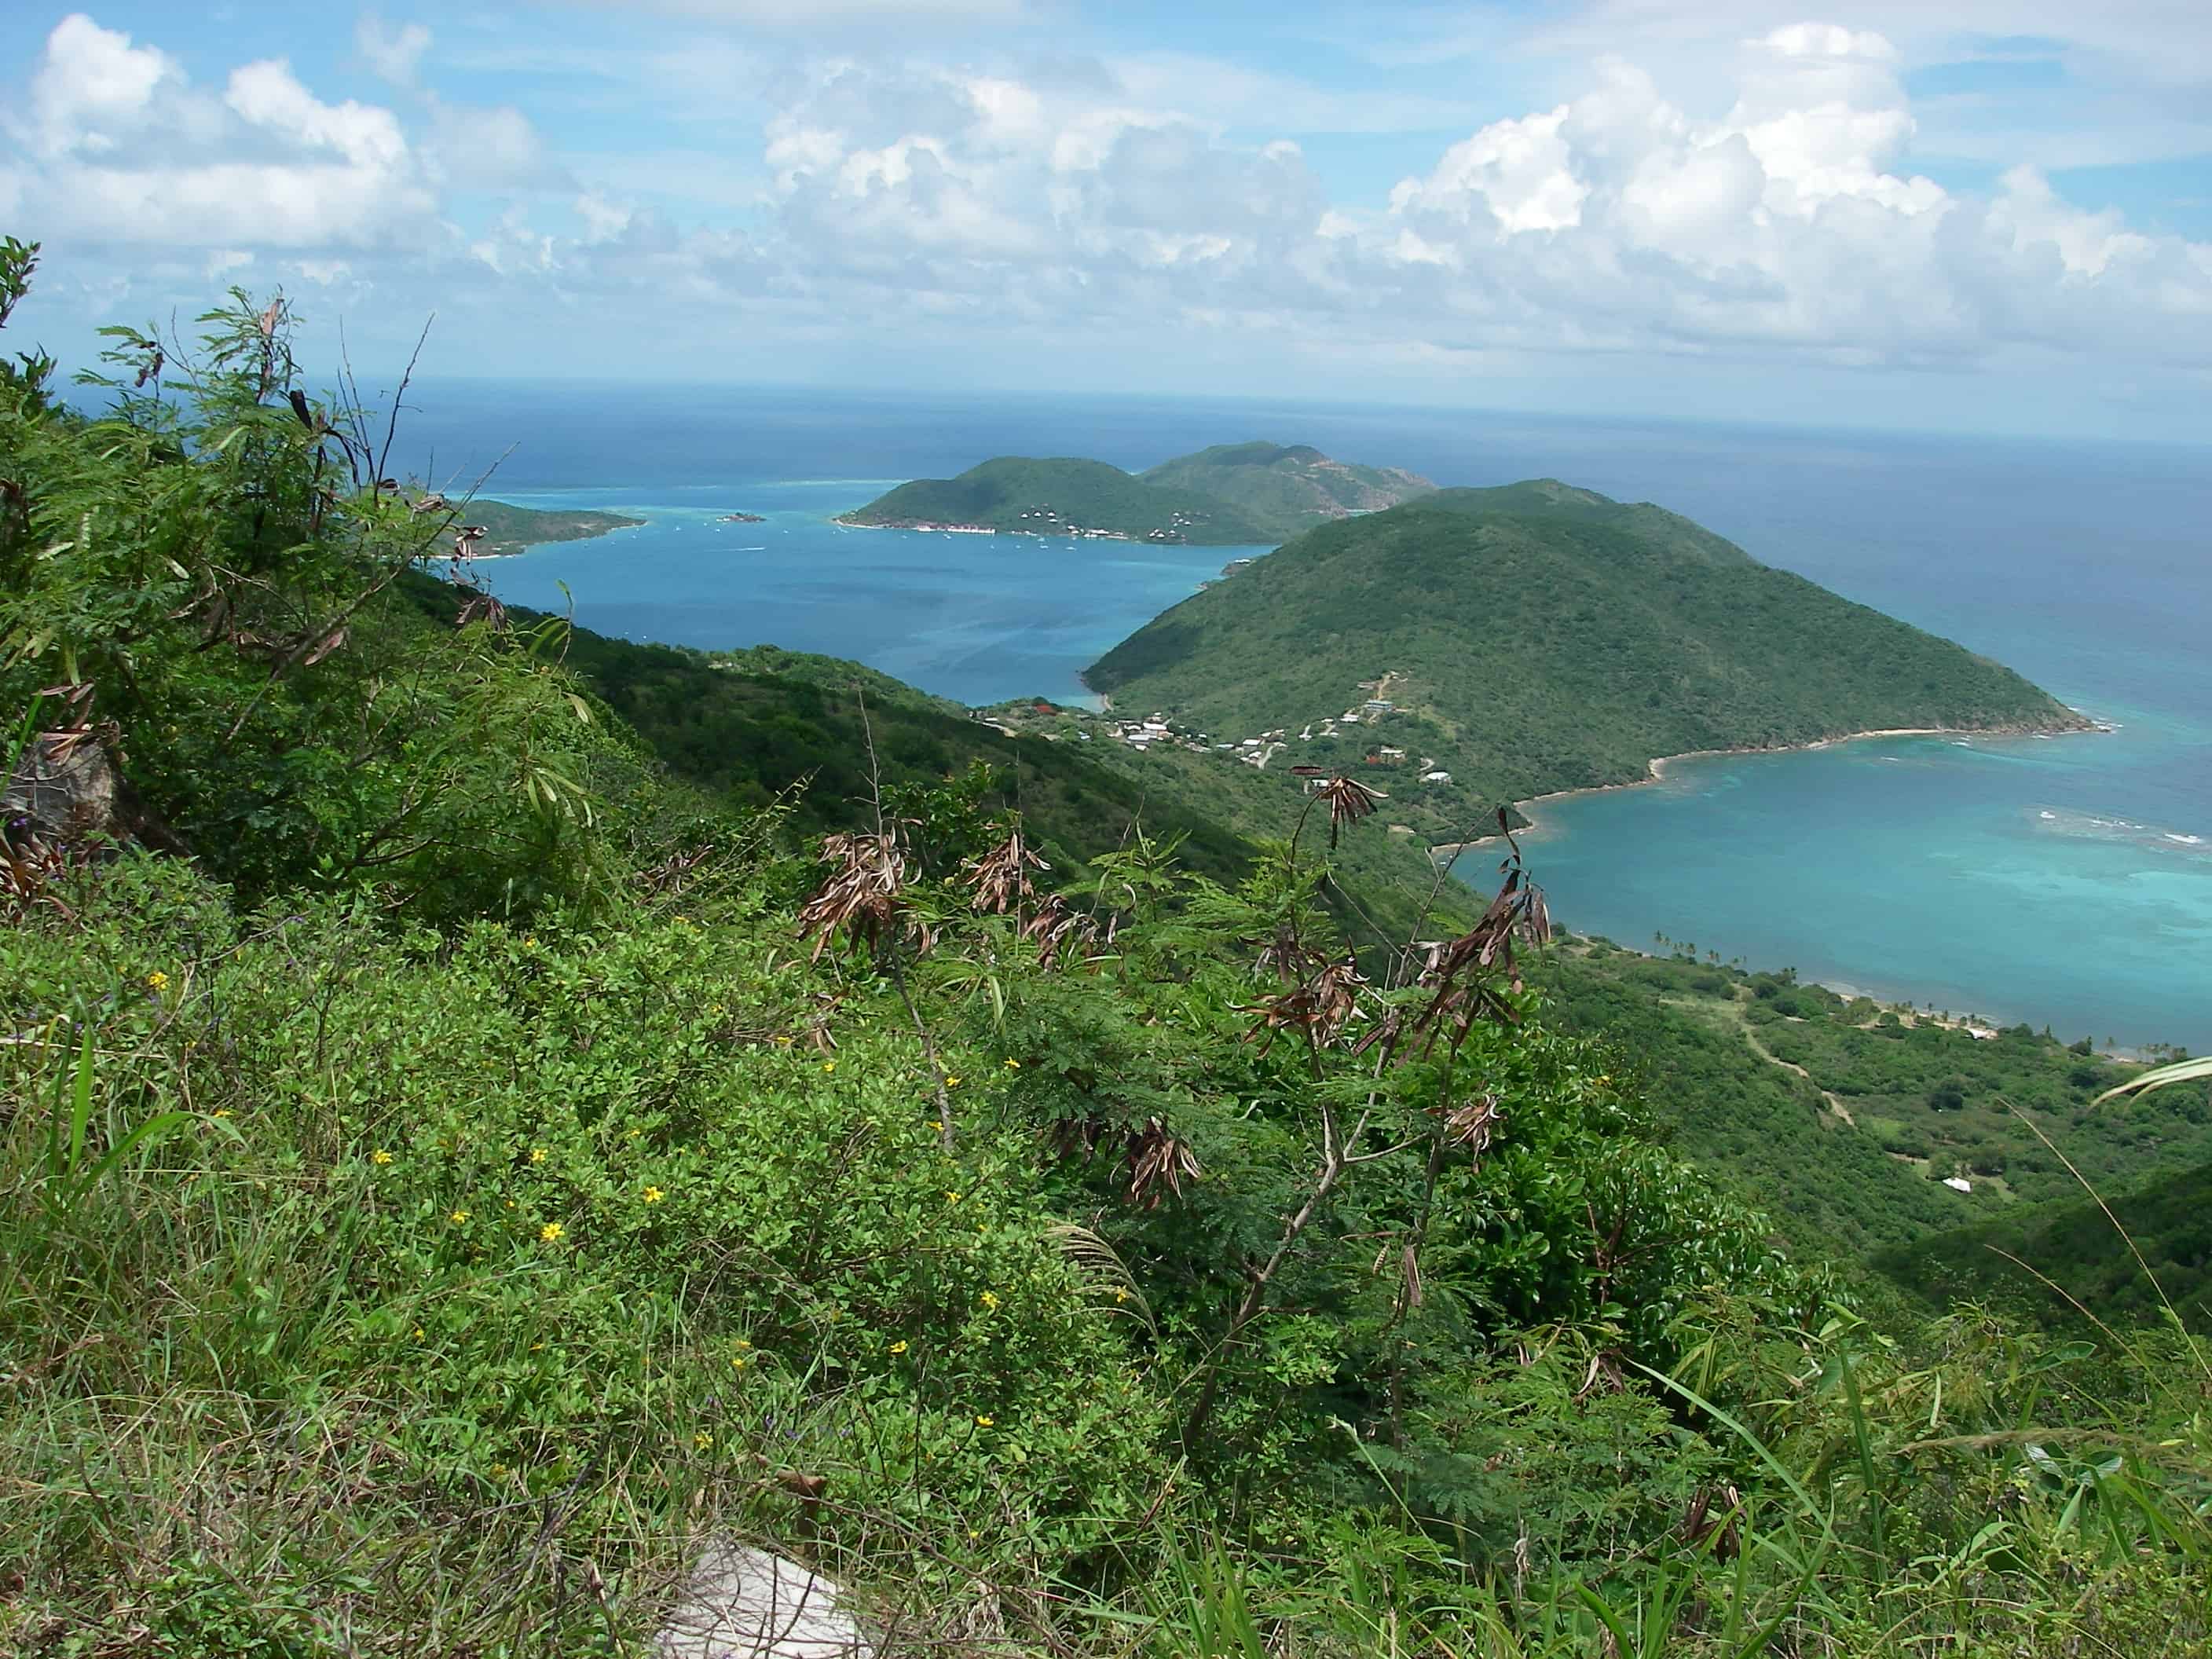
(93, 89)
(1777, 218)
(121, 150)
(1518, 174)
(393, 52)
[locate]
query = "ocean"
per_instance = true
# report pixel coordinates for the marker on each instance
(2065, 881)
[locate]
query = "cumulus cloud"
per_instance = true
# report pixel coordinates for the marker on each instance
(1778, 219)
(1620, 220)
(118, 147)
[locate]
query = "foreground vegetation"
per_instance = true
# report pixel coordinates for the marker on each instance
(475, 1158)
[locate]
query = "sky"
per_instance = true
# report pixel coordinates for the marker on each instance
(1911, 215)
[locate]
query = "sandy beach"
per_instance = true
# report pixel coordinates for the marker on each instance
(1656, 770)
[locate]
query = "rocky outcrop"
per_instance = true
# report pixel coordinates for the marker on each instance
(741, 1602)
(68, 790)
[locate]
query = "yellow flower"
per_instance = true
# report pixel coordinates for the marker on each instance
(550, 1231)
(652, 1194)
(537, 1154)
(702, 1440)
(536, 1347)
(737, 1362)
(222, 1111)
(499, 1471)
(742, 1343)
(782, 1040)
(953, 1198)
(158, 980)
(531, 942)
(952, 1083)
(635, 1133)
(936, 1123)
(1121, 1295)
(418, 1333)
(829, 1065)
(458, 1217)
(991, 1300)
(683, 921)
(899, 1346)
(380, 1155)
(1014, 1065)
(982, 1422)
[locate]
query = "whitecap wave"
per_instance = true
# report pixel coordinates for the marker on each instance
(2091, 826)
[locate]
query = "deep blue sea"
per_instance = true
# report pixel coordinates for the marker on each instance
(2066, 882)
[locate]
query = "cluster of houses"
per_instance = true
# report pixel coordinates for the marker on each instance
(1051, 521)
(1156, 729)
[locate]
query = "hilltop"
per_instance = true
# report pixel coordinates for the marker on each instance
(1494, 645)
(1288, 488)
(1231, 496)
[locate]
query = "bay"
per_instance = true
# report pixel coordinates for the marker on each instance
(2052, 882)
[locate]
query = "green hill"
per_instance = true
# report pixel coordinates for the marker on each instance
(1540, 637)
(1017, 495)
(2074, 1244)
(1290, 490)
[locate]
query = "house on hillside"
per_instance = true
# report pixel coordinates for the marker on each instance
(1435, 777)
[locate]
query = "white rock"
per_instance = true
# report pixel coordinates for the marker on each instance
(741, 1602)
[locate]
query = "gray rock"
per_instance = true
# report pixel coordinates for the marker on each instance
(741, 1602)
(67, 790)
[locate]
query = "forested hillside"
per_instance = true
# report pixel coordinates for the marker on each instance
(1287, 490)
(1016, 495)
(479, 1129)
(2073, 1263)
(1540, 637)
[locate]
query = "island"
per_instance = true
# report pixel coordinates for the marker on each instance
(509, 530)
(1232, 495)
(1478, 647)
(741, 518)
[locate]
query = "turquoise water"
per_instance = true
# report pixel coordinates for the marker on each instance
(980, 619)
(1981, 876)
(2055, 882)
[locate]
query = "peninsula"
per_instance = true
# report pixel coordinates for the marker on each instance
(1479, 647)
(510, 530)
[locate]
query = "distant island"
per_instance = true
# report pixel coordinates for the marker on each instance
(741, 518)
(1232, 495)
(1477, 647)
(510, 530)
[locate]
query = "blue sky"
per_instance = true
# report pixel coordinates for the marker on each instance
(1973, 217)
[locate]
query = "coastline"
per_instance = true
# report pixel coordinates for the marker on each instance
(1655, 770)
